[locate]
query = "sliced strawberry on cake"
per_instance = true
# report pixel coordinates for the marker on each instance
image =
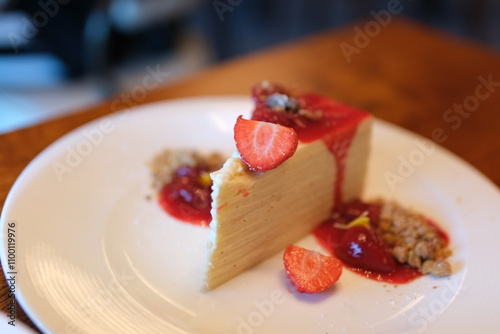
(264, 146)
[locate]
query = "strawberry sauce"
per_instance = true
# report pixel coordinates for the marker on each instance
(337, 129)
(362, 258)
(187, 196)
(330, 238)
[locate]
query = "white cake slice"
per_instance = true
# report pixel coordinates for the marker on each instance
(258, 214)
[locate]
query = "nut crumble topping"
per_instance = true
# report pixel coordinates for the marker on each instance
(414, 241)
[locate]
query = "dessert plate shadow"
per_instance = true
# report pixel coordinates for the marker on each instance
(94, 253)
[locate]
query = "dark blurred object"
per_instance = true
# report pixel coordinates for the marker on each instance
(237, 26)
(57, 28)
(91, 36)
(136, 15)
(142, 27)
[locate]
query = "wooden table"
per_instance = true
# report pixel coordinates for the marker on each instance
(432, 84)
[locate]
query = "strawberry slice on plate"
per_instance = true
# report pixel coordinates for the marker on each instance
(310, 271)
(262, 145)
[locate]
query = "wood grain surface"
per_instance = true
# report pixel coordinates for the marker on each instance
(417, 78)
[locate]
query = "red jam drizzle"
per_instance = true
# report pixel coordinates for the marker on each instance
(330, 237)
(187, 196)
(336, 124)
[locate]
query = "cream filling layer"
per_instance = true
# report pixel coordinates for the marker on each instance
(256, 215)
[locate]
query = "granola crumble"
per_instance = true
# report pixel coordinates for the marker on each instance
(414, 241)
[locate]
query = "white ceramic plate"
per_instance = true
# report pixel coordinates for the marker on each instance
(93, 255)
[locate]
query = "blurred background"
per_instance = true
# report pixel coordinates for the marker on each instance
(58, 56)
